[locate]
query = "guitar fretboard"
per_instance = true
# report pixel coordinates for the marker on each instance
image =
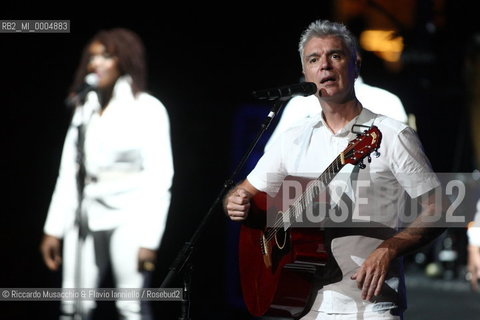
(300, 204)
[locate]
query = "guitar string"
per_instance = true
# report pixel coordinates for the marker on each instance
(310, 189)
(330, 172)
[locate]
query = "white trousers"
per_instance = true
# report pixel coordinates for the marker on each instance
(100, 250)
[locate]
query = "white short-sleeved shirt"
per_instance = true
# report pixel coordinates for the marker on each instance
(378, 193)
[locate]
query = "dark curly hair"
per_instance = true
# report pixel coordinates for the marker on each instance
(129, 49)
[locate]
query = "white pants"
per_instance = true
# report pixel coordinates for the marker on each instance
(371, 315)
(116, 248)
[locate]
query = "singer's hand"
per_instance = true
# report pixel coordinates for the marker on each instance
(146, 259)
(237, 201)
(371, 274)
(50, 249)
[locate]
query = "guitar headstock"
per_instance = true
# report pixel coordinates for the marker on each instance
(361, 147)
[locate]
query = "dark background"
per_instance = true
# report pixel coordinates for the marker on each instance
(204, 62)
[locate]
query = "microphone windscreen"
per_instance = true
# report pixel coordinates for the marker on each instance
(92, 79)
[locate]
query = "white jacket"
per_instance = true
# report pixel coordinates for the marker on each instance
(129, 167)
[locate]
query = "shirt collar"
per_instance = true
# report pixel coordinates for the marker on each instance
(123, 88)
(364, 118)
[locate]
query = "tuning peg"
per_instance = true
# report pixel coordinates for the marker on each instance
(369, 158)
(376, 153)
(361, 165)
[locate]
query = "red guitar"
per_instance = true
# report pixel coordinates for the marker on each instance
(277, 263)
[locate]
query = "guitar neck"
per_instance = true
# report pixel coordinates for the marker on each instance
(313, 189)
(311, 192)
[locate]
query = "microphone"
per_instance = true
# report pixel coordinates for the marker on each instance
(90, 83)
(297, 89)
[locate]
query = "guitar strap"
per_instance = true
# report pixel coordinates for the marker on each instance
(348, 175)
(345, 182)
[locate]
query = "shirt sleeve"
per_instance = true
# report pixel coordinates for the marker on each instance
(411, 166)
(64, 201)
(158, 170)
(269, 171)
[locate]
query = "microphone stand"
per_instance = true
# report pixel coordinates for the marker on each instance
(182, 261)
(81, 174)
(81, 223)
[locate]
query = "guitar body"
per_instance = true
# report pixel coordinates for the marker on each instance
(280, 281)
